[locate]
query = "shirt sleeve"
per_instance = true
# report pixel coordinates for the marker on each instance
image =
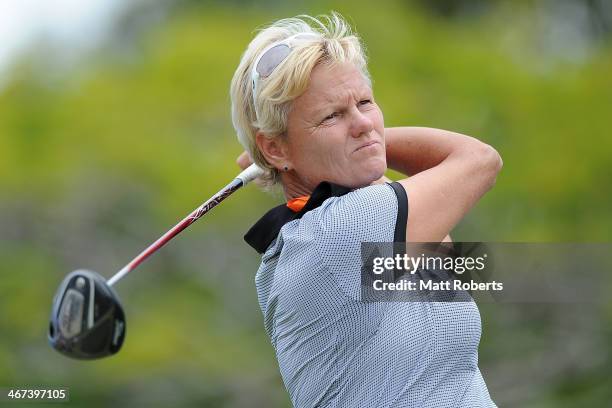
(375, 213)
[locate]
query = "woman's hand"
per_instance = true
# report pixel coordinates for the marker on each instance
(244, 160)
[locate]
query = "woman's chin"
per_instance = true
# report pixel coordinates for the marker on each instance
(377, 168)
(372, 175)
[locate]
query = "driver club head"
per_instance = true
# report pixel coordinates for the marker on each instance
(87, 320)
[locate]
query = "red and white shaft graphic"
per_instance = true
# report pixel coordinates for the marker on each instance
(249, 174)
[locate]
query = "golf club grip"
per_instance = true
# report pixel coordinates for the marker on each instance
(242, 179)
(250, 173)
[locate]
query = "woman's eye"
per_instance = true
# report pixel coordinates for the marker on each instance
(329, 117)
(365, 102)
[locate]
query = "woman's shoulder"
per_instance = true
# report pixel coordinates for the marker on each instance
(355, 210)
(365, 214)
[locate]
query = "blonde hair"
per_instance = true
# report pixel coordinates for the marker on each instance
(334, 43)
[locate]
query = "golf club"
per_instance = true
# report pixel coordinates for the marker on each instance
(87, 319)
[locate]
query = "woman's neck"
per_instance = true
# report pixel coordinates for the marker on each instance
(293, 186)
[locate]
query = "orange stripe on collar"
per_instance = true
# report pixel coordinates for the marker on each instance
(296, 204)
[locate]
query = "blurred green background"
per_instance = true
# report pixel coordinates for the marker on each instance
(102, 153)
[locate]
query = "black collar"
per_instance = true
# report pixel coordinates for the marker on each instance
(261, 235)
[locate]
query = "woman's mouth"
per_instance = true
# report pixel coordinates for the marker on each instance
(367, 146)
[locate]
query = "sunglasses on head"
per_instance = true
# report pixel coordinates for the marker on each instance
(272, 56)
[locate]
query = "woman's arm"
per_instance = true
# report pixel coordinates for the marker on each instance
(450, 173)
(411, 150)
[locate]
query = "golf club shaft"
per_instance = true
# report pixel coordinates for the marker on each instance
(241, 180)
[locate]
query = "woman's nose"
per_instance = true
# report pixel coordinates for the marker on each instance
(360, 123)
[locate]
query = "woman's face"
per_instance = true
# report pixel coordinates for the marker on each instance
(335, 130)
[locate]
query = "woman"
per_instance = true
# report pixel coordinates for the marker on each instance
(303, 108)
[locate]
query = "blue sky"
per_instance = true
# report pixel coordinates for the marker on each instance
(70, 27)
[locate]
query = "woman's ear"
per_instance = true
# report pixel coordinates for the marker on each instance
(274, 150)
